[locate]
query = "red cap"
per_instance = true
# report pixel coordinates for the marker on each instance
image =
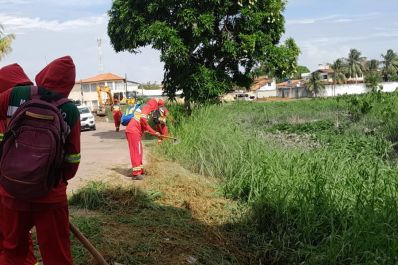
(58, 76)
(13, 75)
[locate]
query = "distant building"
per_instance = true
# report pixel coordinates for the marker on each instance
(264, 87)
(119, 86)
(293, 89)
(326, 73)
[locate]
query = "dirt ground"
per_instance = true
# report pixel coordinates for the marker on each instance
(103, 152)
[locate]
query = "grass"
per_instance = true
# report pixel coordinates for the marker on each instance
(332, 203)
(174, 217)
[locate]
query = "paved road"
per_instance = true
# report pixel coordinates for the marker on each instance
(104, 152)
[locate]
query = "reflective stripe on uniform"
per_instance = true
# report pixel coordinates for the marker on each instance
(1, 137)
(72, 158)
(138, 168)
(138, 115)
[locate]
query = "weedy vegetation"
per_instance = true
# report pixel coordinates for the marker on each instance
(320, 176)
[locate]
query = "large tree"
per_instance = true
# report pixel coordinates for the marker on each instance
(5, 42)
(206, 46)
(390, 65)
(355, 64)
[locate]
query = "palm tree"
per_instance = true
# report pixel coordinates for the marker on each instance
(5, 42)
(372, 81)
(372, 66)
(390, 64)
(315, 84)
(355, 64)
(338, 68)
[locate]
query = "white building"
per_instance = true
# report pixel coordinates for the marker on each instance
(86, 90)
(264, 87)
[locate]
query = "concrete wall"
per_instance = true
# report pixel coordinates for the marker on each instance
(265, 93)
(351, 89)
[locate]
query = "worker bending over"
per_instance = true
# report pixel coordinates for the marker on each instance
(159, 118)
(134, 131)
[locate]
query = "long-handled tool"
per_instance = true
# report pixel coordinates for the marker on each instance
(87, 244)
(175, 140)
(167, 137)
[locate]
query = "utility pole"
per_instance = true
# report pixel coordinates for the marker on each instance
(100, 67)
(125, 81)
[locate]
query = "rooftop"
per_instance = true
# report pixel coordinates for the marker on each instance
(291, 83)
(103, 78)
(260, 82)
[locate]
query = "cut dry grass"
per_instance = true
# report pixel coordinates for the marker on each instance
(172, 217)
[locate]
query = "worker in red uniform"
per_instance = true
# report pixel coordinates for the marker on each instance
(159, 119)
(134, 131)
(49, 214)
(11, 76)
(117, 114)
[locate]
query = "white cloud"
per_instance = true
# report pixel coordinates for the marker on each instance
(13, 2)
(332, 19)
(19, 24)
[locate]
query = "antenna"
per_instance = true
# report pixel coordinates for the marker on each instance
(100, 66)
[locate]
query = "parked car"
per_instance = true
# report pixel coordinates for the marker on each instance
(244, 96)
(87, 120)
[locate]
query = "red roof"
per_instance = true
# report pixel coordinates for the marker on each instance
(102, 78)
(293, 83)
(259, 82)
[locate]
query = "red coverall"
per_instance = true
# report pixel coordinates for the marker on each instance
(117, 116)
(49, 214)
(10, 76)
(162, 127)
(134, 131)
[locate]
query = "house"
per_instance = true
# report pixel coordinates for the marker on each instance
(119, 86)
(293, 89)
(326, 73)
(264, 87)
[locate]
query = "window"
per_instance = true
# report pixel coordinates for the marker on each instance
(120, 86)
(86, 87)
(84, 110)
(93, 87)
(269, 84)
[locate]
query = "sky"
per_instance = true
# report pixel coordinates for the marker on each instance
(48, 29)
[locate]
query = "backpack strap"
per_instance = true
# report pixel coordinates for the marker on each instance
(34, 92)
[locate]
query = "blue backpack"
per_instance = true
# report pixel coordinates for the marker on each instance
(129, 114)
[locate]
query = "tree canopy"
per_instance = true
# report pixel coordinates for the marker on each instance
(315, 84)
(390, 65)
(206, 46)
(5, 42)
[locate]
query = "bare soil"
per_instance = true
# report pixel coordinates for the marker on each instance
(104, 151)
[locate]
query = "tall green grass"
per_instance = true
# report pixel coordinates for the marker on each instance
(333, 204)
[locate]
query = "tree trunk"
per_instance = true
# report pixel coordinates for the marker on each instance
(187, 107)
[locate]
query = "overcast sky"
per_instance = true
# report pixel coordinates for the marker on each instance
(324, 30)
